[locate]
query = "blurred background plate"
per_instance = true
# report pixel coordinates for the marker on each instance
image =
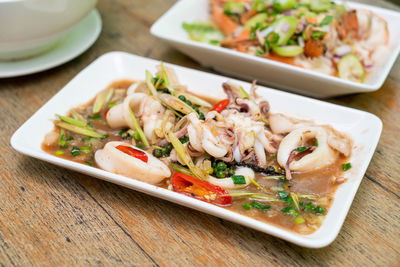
(72, 45)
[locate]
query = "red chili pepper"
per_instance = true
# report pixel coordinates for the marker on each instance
(133, 152)
(221, 105)
(105, 112)
(193, 187)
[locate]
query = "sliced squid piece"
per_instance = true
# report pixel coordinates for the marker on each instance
(137, 87)
(280, 124)
(113, 160)
(343, 144)
(211, 145)
(227, 183)
(322, 156)
(118, 116)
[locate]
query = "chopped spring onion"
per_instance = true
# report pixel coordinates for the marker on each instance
(302, 148)
(290, 211)
(238, 179)
(138, 129)
(62, 142)
(346, 166)
(316, 142)
(75, 151)
(112, 105)
(59, 152)
(259, 206)
(299, 220)
(283, 195)
(77, 129)
(89, 163)
(72, 121)
(183, 154)
(246, 206)
(94, 117)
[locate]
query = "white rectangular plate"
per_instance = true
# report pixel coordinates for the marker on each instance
(273, 73)
(364, 128)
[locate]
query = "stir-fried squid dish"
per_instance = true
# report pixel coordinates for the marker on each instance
(233, 153)
(313, 34)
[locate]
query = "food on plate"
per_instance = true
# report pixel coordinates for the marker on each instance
(313, 34)
(232, 152)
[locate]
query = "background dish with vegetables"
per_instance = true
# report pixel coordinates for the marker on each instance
(313, 34)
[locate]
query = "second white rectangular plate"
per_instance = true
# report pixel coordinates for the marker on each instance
(273, 73)
(363, 127)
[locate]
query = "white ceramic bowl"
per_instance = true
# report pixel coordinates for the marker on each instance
(363, 127)
(30, 27)
(280, 75)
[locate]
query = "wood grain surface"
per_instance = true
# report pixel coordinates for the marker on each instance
(53, 216)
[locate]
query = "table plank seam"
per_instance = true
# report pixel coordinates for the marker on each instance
(380, 185)
(120, 226)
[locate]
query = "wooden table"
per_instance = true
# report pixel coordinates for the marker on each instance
(53, 216)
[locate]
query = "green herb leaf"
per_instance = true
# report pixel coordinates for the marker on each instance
(75, 151)
(326, 21)
(238, 179)
(283, 195)
(346, 166)
(112, 105)
(259, 206)
(94, 117)
(317, 35)
(89, 163)
(301, 149)
(319, 210)
(272, 38)
(184, 139)
(246, 206)
(259, 52)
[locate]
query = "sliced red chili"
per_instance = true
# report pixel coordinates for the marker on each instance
(203, 190)
(221, 105)
(105, 112)
(133, 152)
